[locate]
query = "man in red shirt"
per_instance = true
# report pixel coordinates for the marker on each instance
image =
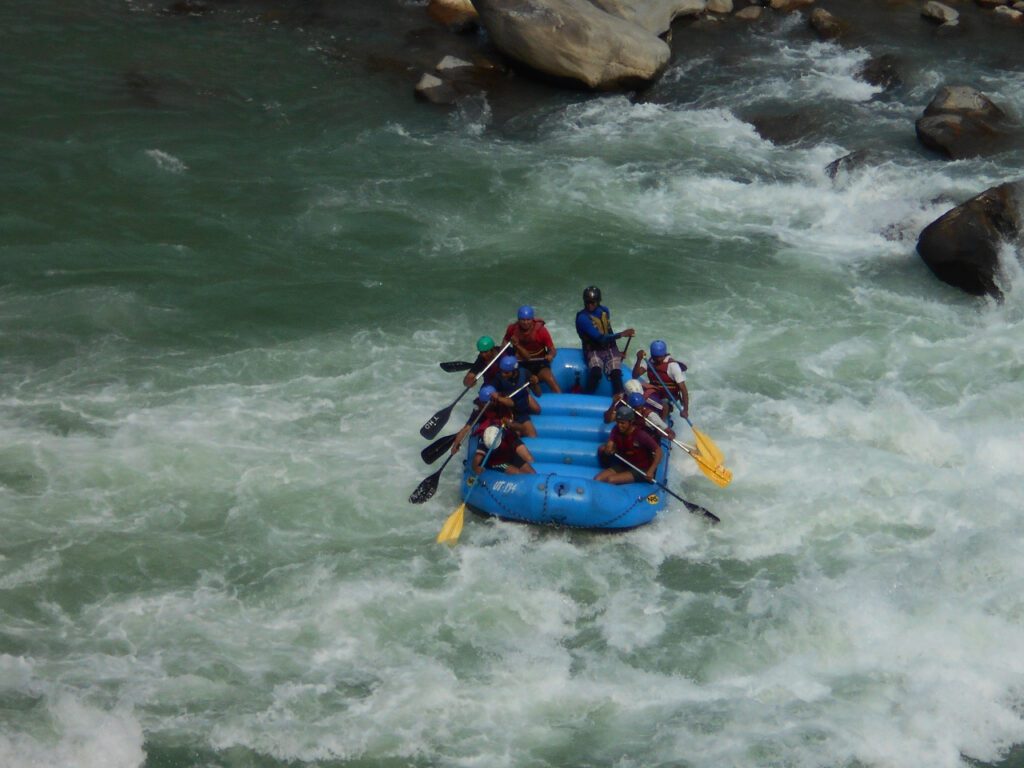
(534, 347)
(633, 444)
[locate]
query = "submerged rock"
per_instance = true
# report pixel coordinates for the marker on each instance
(827, 25)
(882, 71)
(961, 247)
(847, 163)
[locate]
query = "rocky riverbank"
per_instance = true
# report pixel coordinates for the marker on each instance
(609, 45)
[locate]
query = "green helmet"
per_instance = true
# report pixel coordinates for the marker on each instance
(484, 344)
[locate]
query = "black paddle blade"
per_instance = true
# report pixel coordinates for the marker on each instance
(699, 510)
(453, 366)
(437, 449)
(436, 423)
(426, 489)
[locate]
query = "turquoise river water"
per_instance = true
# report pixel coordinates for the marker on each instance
(231, 257)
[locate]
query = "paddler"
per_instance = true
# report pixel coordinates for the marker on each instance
(534, 347)
(633, 444)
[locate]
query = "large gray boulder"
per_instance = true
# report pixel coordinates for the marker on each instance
(962, 122)
(653, 15)
(962, 246)
(609, 47)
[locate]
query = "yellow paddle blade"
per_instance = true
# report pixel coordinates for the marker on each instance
(452, 526)
(716, 473)
(707, 447)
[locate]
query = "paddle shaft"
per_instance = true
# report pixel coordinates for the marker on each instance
(483, 464)
(436, 422)
(433, 452)
(456, 366)
(695, 508)
(452, 527)
(661, 431)
(651, 369)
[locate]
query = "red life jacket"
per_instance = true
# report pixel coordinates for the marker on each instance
(504, 452)
(630, 448)
(662, 371)
(533, 345)
(495, 416)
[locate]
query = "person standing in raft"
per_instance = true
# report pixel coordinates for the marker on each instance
(485, 353)
(509, 454)
(522, 405)
(534, 347)
(594, 327)
(633, 444)
(671, 372)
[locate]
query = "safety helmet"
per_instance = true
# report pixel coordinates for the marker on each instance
(635, 399)
(492, 435)
(632, 385)
(508, 363)
(592, 293)
(484, 344)
(622, 413)
(525, 312)
(485, 393)
(659, 348)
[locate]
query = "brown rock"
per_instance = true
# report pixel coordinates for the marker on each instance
(961, 247)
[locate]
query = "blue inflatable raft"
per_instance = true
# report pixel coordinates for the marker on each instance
(570, 428)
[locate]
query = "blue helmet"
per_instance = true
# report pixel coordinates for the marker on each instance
(635, 399)
(659, 348)
(508, 363)
(485, 393)
(525, 312)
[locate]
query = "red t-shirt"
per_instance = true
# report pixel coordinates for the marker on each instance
(536, 341)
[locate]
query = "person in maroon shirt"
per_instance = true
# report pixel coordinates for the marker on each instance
(509, 454)
(633, 444)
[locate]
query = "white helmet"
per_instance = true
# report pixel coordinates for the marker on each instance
(492, 435)
(632, 385)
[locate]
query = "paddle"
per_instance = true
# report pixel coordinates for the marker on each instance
(704, 443)
(695, 508)
(452, 527)
(717, 473)
(436, 422)
(454, 366)
(428, 486)
(436, 449)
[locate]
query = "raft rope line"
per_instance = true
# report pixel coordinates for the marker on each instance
(544, 508)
